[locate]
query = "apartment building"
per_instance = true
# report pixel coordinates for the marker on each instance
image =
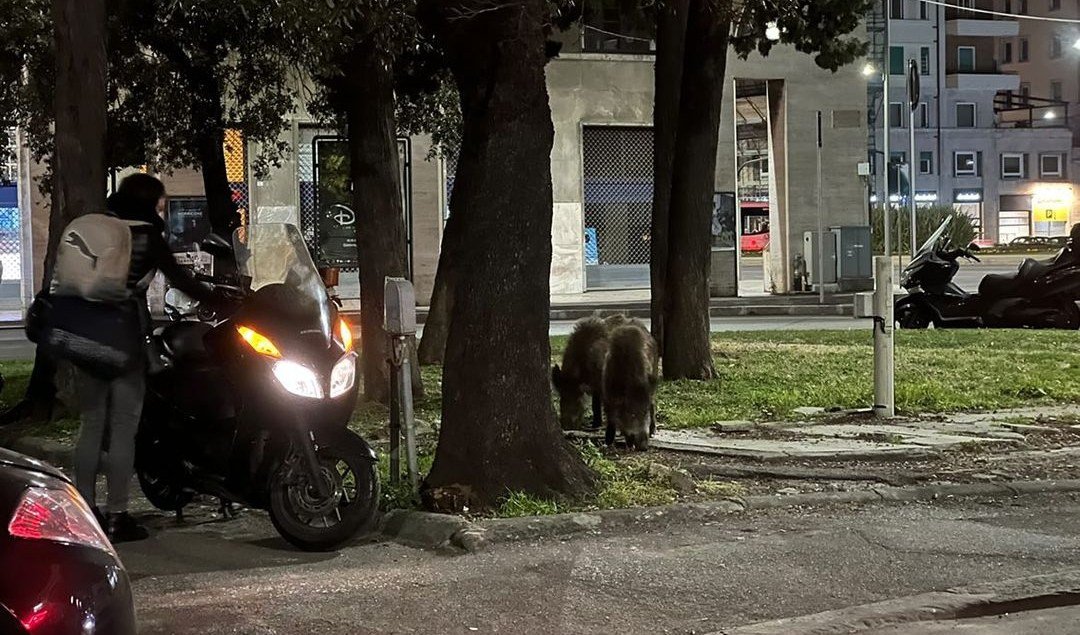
(985, 143)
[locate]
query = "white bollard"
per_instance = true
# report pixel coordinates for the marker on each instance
(884, 386)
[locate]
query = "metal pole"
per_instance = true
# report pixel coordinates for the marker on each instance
(405, 384)
(884, 386)
(395, 426)
(913, 99)
(886, 204)
(820, 220)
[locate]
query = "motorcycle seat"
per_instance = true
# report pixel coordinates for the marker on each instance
(1032, 268)
(996, 284)
(184, 340)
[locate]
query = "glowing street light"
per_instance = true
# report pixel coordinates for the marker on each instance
(1076, 44)
(1049, 115)
(772, 31)
(869, 70)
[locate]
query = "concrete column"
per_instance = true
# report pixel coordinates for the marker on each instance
(780, 254)
(724, 272)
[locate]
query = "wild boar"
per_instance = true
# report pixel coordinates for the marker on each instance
(631, 373)
(582, 370)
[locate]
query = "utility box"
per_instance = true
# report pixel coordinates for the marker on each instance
(810, 253)
(399, 308)
(854, 258)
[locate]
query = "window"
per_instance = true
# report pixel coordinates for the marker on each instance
(1025, 92)
(896, 9)
(1006, 53)
(1023, 50)
(965, 4)
(926, 163)
(1008, 6)
(1012, 165)
(1056, 93)
(965, 115)
(896, 60)
(1055, 47)
(924, 11)
(964, 164)
(1055, 5)
(1050, 165)
(924, 59)
(1023, 7)
(896, 114)
(924, 115)
(610, 28)
(965, 59)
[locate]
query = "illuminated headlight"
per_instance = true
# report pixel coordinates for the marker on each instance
(298, 380)
(343, 376)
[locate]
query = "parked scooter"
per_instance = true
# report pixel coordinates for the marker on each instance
(1039, 295)
(254, 404)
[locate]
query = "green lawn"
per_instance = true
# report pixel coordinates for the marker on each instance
(766, 375)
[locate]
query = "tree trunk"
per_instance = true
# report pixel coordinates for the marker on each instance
(220, 209)
(78, 155)
(670, 45)
(208, 115)
(687, 353)
(380, 228)
(437, 324)
(499, 433)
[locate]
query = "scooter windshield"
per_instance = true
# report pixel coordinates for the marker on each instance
(276, 260)
(931, 243)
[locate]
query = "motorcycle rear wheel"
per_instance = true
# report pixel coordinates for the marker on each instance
(314, 523)
(913, 317)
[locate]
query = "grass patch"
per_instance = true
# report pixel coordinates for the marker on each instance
(721, 489)
(626, 482)
(519, 504)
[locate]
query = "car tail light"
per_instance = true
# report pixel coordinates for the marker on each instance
(57, 515)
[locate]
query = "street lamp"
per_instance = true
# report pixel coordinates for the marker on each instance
(869, 70)
(1076, 44)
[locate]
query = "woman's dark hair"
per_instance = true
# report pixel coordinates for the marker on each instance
(137, 198)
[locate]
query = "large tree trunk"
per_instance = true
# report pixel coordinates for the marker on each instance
(670, 46)
(380, 229)
(499, 432)
(220, 209)
(437, 325)
(687, 353)
(78, 155)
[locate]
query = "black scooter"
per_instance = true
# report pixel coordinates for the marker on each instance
(253, 404)
(1039, 295)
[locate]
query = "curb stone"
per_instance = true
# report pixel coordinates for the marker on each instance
(504, 530)
(432, 531)
(996, 598)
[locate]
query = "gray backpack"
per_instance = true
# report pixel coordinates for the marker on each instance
(93, 260)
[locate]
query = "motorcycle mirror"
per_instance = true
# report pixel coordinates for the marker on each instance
(974, 247)
(216, 245)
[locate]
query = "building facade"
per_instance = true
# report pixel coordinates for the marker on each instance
(601, 93)
(985, 143)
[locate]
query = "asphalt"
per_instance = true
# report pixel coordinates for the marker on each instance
(237, 577)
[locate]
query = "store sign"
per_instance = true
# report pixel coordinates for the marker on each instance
(925, 197)
(967, 196)
(592, 247)
(335, 217)
(1051, 204)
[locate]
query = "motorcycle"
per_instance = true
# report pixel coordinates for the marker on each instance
(253, 404)
(1039, 295)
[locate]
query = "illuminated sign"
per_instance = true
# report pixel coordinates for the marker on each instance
(967, 196)
(1051, 203)
(925, 197)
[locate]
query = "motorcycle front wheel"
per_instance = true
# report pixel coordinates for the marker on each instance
(913, 317)
(314, 522)
(159, 470)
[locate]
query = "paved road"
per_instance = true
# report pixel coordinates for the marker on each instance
(238, 578)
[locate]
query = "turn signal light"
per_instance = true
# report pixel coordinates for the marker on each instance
(259, 342)
(346, 336)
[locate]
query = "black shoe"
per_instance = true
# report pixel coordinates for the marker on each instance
(124, 528)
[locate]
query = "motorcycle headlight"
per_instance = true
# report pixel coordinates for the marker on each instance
(343, 376)
(297, 379)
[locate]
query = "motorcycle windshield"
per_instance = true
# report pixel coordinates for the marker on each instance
(930, 245)
(282, 276)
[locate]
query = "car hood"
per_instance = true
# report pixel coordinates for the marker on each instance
(14, 459)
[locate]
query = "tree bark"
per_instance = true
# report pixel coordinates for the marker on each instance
(499, 432)
(380, 229)
(78, 155)
(687, 351)
(670, 46)
(208, 117)
(437, 324)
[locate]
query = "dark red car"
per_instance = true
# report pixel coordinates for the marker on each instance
(60, 575)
